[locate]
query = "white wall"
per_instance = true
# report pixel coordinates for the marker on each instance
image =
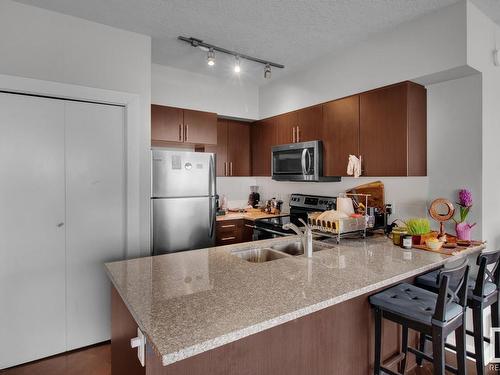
(483, 37)
(49, 46)
(430, 44)
(454, 140)
(180, 88)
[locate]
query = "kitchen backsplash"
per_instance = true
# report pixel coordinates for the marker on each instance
(409, 195)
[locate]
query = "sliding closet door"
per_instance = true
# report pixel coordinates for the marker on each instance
(95, 197)
(32, 229)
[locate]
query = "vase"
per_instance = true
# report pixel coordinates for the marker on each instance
(464, 231)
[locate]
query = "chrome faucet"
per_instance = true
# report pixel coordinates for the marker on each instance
(305, 236)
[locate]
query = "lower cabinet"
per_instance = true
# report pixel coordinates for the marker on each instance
(233, 231)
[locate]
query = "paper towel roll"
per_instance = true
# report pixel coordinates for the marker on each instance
(344, 204)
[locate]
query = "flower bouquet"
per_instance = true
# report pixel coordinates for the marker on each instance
(462, 227)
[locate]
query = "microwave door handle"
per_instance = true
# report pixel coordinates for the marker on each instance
(303, 161)
(308, 161)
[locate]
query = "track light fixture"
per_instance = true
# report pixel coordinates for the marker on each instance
(237, 67)
(267, 71)
(211, 57)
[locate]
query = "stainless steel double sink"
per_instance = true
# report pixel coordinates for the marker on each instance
(278, 251)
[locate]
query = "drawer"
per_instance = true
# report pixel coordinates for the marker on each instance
(228, 226)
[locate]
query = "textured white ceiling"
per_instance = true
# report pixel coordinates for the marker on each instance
(291, 32)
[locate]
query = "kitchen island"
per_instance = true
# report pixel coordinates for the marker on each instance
(209, 311)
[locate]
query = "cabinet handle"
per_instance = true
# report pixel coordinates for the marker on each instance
(225, 169)
(231, 168)
(227, 238)
(180, 132)
(249, 226)
(60, 225)
(186, 133)
(228, 226)
(293, 135)
(298, 133)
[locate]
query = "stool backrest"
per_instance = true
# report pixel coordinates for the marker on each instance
(484, 274)
(452, 288)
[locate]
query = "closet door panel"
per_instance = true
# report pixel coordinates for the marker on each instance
(95, 199)
(32, 230)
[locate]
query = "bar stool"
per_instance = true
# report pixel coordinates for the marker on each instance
(435, 315)
(481, 293)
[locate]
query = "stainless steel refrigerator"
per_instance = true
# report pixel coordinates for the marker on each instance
(183, 201)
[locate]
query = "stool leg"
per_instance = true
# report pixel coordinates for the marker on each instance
(477, 315)
(378, 341)
(495, 323)
(404, 349)
(421, 347)
(460, 338)
(438, 351)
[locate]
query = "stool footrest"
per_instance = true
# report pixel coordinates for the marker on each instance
(453, 347)
(429, 358)
(387, 371)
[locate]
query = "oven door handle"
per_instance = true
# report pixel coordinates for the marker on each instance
(272, 231)
(303, 161)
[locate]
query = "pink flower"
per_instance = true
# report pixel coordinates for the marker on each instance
(465, 198)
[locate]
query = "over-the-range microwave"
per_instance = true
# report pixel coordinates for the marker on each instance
(301, 161)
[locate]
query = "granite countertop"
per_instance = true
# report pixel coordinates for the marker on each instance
(253, 215)
(190, 302)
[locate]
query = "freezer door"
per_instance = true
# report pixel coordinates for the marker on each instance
(182, 174)
(182, 224)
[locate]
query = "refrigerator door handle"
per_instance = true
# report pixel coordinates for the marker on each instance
(211, 216)
(211, 176)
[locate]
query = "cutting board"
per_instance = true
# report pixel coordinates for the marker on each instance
(375, 190)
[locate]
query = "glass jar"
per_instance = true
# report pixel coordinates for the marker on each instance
(407, 242)
(397, 235)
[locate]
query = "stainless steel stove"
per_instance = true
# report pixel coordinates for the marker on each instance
(300, 205)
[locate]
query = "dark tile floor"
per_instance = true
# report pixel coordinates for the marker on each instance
(96, 360)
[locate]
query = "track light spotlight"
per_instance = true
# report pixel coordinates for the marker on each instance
(211, 57)
(237, 67)
(267, 71)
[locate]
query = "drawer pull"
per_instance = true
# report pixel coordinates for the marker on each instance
(228, 226)
(228, 238)
(249, 226)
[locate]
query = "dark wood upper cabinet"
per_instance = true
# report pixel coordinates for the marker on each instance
(200, 127)
(166, 123)
(393, 131)
(286, 128)
(169, 124)
(238, 148)
(264, 136)
(309, 123)
(340, 134)
(232, 149)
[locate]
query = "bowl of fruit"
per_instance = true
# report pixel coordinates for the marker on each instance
(433, 243)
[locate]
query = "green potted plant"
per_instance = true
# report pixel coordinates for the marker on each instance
(420, 230)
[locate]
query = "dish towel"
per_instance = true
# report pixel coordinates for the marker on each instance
(354, 166)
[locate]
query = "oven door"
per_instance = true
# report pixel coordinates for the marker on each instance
(297, 161)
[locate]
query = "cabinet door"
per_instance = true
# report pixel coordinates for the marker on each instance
(32, 229)
(383, 131)
(166, 123)
(220, 149)
(200, 127)
(238, 148)
(286, 125)
(309, 123)
(340, 134)
(263, 134)
(95, 211)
